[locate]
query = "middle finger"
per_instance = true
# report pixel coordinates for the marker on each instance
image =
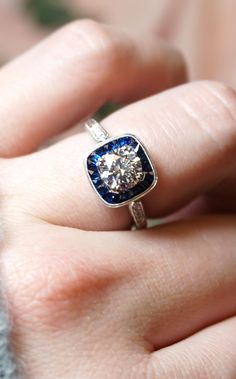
(191, 137)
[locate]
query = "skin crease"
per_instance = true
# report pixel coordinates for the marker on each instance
(88, 299)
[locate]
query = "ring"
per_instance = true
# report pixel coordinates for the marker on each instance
(120, 171)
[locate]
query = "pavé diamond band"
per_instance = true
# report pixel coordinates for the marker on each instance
(120, 171)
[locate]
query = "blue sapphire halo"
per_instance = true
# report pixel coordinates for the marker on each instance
(120, 170)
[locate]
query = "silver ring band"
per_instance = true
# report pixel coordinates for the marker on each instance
(133, 147)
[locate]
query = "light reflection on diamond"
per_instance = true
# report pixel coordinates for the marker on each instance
(120, 169)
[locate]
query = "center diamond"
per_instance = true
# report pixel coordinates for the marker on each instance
(120, 169)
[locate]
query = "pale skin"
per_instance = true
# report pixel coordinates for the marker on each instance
(89, 298)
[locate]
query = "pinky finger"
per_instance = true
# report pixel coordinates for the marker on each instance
(208, 354)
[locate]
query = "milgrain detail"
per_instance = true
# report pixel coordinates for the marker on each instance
(96, 130)
(138, 214)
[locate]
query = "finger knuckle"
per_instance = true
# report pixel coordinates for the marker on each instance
(91, 39)
(51, 290)
(222, 101)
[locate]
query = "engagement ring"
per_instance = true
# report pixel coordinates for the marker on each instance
(120, 171)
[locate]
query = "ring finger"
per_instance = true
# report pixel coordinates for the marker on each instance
(189, 132)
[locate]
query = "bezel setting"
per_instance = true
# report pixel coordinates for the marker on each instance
(127, 196)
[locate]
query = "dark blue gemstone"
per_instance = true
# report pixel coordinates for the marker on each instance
(95, 174)
(133, 142)
(147, 168)
(102, 190)
(135, 190)
(124, 141)
(112, 198)
(149, 179)
(121, 142)
(124, 196)
(100, 152)
(105, 147)
(93, 159)
(91, 166)
(141, 154)
(97, 181)
(112, 145)
(144, 185)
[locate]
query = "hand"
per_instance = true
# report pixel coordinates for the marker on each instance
(85, 303)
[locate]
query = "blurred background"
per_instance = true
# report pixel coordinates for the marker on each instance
(204, 30)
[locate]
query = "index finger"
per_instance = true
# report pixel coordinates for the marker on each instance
(72, 73)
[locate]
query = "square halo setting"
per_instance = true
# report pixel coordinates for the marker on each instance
(120, 170)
